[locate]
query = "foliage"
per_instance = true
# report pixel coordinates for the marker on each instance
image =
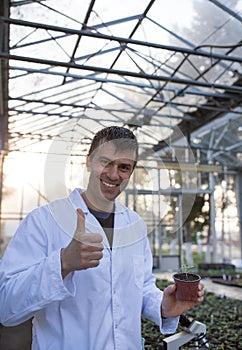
(197, 220)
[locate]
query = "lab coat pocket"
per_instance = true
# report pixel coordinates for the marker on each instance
(138, 265)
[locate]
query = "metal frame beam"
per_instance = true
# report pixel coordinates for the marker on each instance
(122, 40)
(192, 82)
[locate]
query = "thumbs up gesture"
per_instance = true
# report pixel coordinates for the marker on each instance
(84, 251)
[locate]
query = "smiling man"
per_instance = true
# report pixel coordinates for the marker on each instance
(110, 165)
(82, 266)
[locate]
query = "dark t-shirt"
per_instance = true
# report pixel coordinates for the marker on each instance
(17, 337)
(106, 220)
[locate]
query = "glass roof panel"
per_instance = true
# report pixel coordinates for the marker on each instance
(148, 64)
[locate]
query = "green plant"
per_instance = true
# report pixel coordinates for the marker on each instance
(185, 269)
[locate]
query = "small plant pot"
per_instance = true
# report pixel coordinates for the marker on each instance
(186, 286)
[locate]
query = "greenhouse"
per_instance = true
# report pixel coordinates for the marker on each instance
(171, 73)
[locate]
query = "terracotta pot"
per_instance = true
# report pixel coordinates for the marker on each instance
(186, 285)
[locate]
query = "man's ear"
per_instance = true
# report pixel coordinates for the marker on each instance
(88, 165)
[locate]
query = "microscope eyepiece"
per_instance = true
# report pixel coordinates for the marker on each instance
(185, 321)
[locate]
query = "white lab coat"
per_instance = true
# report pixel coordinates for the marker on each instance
(95, 309)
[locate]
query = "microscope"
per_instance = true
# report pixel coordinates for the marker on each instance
(193, 331)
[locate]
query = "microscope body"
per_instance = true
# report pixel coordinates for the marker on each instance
(194, 330)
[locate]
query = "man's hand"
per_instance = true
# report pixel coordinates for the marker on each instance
(84, 251)
(171, 307)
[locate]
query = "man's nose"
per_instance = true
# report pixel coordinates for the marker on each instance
(113, 172)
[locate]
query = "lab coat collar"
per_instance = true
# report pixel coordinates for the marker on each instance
(77, 200)
(128, 228)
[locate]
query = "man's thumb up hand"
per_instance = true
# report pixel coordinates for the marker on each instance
(84, 251)
(80, 226)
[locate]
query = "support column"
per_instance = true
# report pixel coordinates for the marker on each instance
(239, 205)
(4, 69)
(180, 230)
(213, 235)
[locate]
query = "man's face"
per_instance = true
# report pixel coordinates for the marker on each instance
(110, 170)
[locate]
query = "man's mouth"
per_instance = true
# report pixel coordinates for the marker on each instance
(108, 184)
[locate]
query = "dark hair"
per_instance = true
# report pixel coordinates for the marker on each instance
(126, 139)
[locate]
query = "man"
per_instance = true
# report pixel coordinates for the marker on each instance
(82, 266)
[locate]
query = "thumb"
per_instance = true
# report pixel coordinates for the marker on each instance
(171, 289)
(80, 227)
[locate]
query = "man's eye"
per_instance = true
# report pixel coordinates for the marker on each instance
(125, 167)
(104, 161)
